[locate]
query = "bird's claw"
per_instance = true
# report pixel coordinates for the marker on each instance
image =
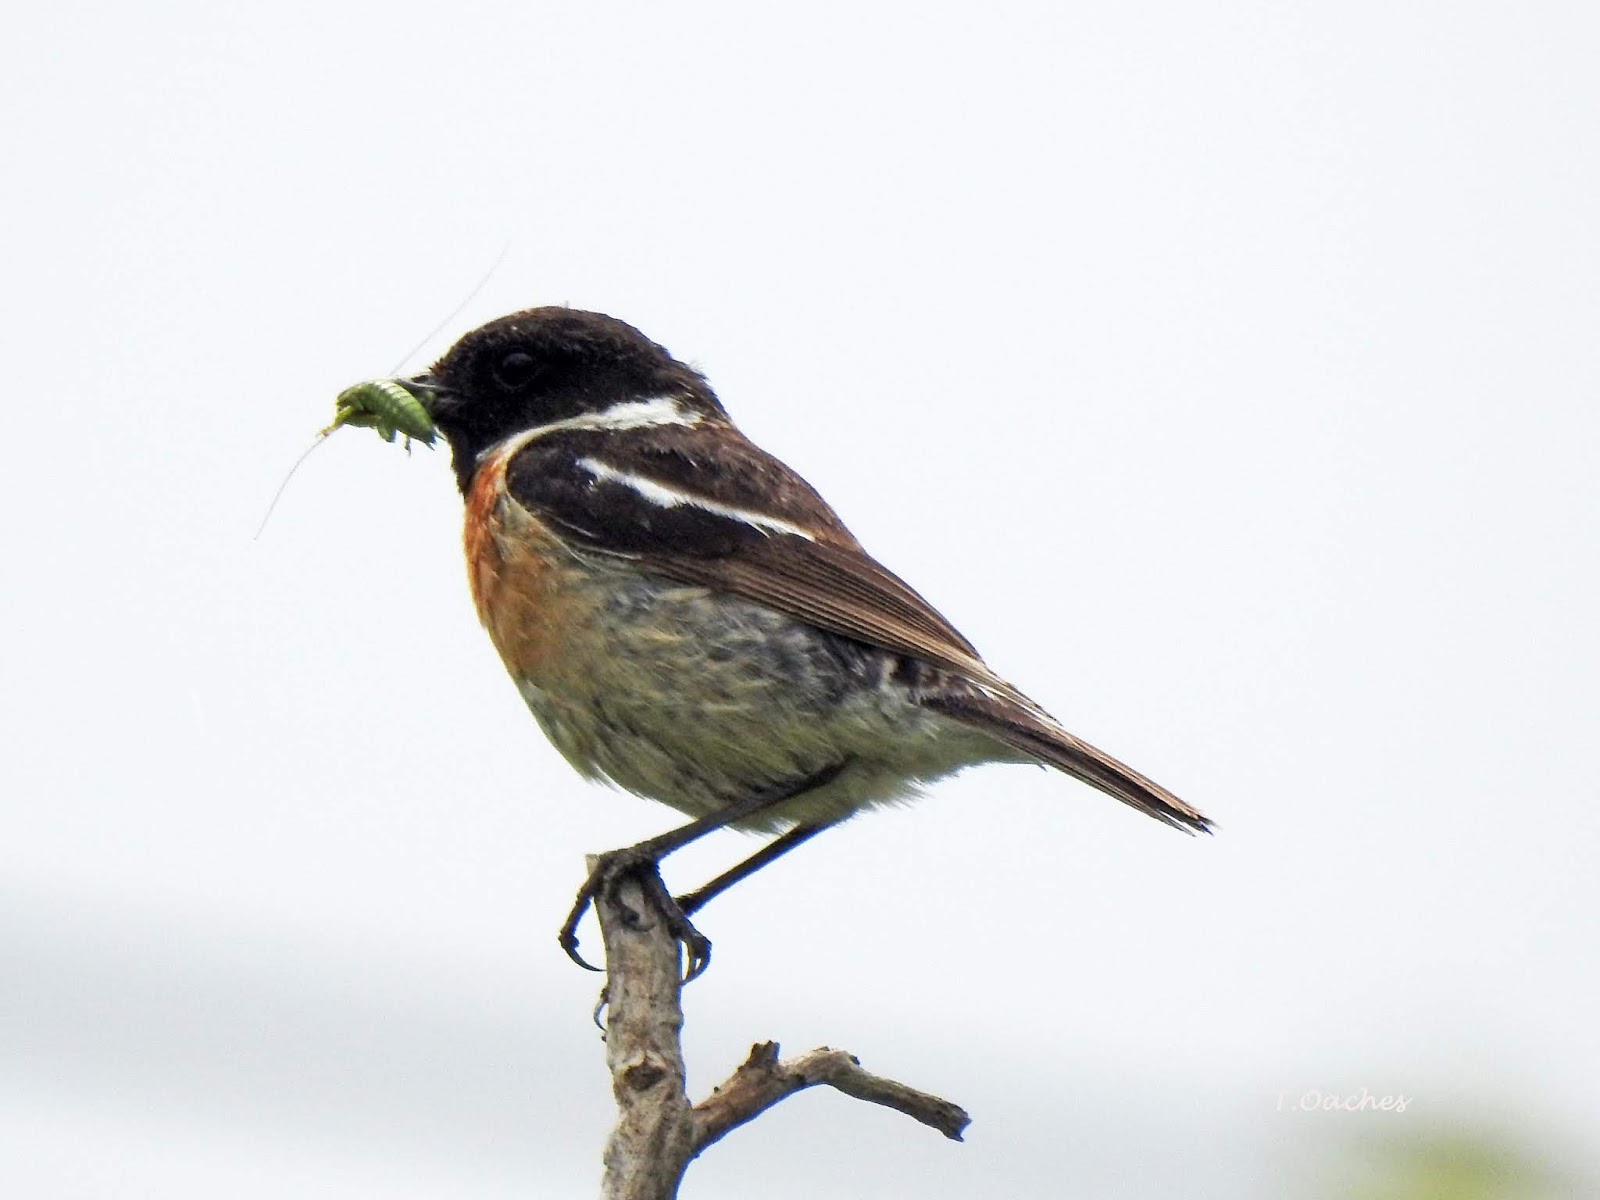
(569, 943)
(604, 879)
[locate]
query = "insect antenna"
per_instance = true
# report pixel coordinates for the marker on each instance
(458, 309)
(278, 495)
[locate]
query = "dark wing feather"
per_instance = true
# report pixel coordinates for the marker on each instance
(837, 587)
(842, 589)
(573, 480)
(1033, 731)
(825, 578)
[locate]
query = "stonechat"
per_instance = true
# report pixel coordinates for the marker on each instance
(688, 619)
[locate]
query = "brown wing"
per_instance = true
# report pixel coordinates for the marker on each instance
(732, 518)
(839, 588)
(710, 507)
(842, 589)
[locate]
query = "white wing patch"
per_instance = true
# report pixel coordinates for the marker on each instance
(631, 414)
(663, 496)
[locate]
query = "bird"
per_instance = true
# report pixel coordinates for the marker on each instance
(690, 621)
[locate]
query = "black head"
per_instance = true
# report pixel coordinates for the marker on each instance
(544, 365)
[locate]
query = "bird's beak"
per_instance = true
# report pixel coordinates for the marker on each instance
(428, 391)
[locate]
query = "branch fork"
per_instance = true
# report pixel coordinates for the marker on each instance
(658, 1131)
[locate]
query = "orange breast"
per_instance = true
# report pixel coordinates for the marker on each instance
(519, 573)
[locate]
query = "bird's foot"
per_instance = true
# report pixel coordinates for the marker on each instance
(610, 870)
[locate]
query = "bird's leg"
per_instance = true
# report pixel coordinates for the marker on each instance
(775, 849)
(642, 862)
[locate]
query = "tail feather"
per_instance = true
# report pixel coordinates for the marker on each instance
(1019, 723)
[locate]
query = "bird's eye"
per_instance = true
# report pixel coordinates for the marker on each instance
(514, 369)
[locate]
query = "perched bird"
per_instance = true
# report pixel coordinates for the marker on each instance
(688, 619)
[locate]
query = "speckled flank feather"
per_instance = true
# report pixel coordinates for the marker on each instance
(701, 698)
(698, 700)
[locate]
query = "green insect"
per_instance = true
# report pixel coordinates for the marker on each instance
(387, 406)
(381, 404)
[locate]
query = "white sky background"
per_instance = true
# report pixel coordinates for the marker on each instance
(1229, 376)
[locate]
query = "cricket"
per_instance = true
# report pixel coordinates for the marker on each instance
(380, 404)
(383, 405)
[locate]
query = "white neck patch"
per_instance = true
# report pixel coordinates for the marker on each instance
(663, 496)
(630, 414)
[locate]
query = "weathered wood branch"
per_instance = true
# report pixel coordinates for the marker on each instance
(761, 1081)
(654, 1136)
(658, 1132)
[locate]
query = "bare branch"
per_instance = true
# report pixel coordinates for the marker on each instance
(657, 1131)
(654, 1136)
(761, 1081)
